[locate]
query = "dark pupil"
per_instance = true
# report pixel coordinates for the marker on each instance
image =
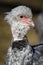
(21, 16)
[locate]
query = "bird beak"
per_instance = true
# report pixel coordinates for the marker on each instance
(32, 24)
(28, 21)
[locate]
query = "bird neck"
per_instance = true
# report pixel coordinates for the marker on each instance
(17, 36)
(19, 31)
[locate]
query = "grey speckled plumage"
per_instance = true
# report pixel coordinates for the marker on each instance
(24, 54)
(38, 54)
(20, 54)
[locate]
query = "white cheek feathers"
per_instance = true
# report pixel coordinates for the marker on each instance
(19, 30)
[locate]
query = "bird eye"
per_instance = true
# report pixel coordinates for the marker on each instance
(21, 16)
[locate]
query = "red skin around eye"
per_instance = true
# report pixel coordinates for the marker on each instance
(26, 20)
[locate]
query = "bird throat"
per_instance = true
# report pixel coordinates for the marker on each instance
(19, 30)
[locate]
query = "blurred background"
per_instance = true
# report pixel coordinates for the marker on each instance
(5, 32)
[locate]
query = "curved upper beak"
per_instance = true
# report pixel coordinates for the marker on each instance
(32, 24)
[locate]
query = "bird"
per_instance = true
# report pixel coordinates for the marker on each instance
(38, 49)
(20, 51)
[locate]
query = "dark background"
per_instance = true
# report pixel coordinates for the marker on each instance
(5, 32)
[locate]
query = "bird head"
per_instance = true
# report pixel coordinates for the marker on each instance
(20, 20)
